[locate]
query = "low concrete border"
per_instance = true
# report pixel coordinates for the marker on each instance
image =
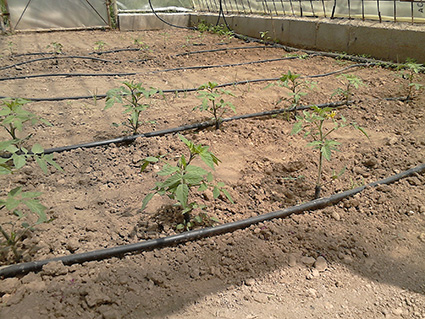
(386, 41)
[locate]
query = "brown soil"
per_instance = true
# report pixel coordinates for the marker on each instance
(366, 252)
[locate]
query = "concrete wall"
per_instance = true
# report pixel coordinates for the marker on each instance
(148, 21)
(386, 41)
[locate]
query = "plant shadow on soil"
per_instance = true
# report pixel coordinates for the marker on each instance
(372, 234)
(207, 266)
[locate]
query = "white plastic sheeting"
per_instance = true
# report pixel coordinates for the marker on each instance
(143, 5)
(387, 10)
(57, 14)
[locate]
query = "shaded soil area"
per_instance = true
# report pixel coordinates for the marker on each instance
(361, 258)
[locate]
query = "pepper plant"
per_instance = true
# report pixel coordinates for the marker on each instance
(135, 99)
(184, 179)
(313, 124)
(213, 102)
(352, 82)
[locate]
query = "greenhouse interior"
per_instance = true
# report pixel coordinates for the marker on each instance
(233, 159)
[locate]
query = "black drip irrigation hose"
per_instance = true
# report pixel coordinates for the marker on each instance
(197, 67)
(58, 57)
(223, 49)
(119, 251)
(99, 96)
(196, 126)
(168, 23)
(342, 56)
(143, 60)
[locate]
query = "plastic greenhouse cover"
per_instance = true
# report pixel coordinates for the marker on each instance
(51, 14)
(143, 5)
(320, 8)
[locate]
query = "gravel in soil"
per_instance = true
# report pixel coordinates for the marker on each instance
(362, 258)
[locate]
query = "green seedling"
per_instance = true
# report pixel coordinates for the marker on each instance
(56, 47)
(13, 118)
(14, 156)
(99, 45)
(212, 102)
(184, 179)
(216, 29)
(135, 99)
(143, 47)
(351, 82)
(313, 124)
(296, 85)
(32, 215)
(264, 38)
(11, 46)
(296, 55)
(409, 71)
(203, 27)
(94, 96)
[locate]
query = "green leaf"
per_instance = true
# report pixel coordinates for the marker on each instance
(172, 181)
(209, 159)
(146, 200)
(182, 194)
(18, 161)
(144, 165)
(196, 170)
(151, 159)
(216, 192)
(42, 164)
(167, 169)
(14, 192)
(203, 187)
(49, 159)
(226, 193)
(192, 178)
(12, 203)
(35, 206)
(37, 149)
(298, 126)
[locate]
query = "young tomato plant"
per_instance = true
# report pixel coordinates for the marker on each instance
(135, 99)
(33, 215)
(56, 47)
(184, 179)
(352, 82)
(13, 116)
(213, 102)
(409, 71)
(313, 124)
(99, 45)
(296, 85)
(13, 155)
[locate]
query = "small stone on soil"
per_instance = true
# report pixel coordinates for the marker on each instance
(292, 261)
(321, 264)
(308, 261)
(336, 216)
